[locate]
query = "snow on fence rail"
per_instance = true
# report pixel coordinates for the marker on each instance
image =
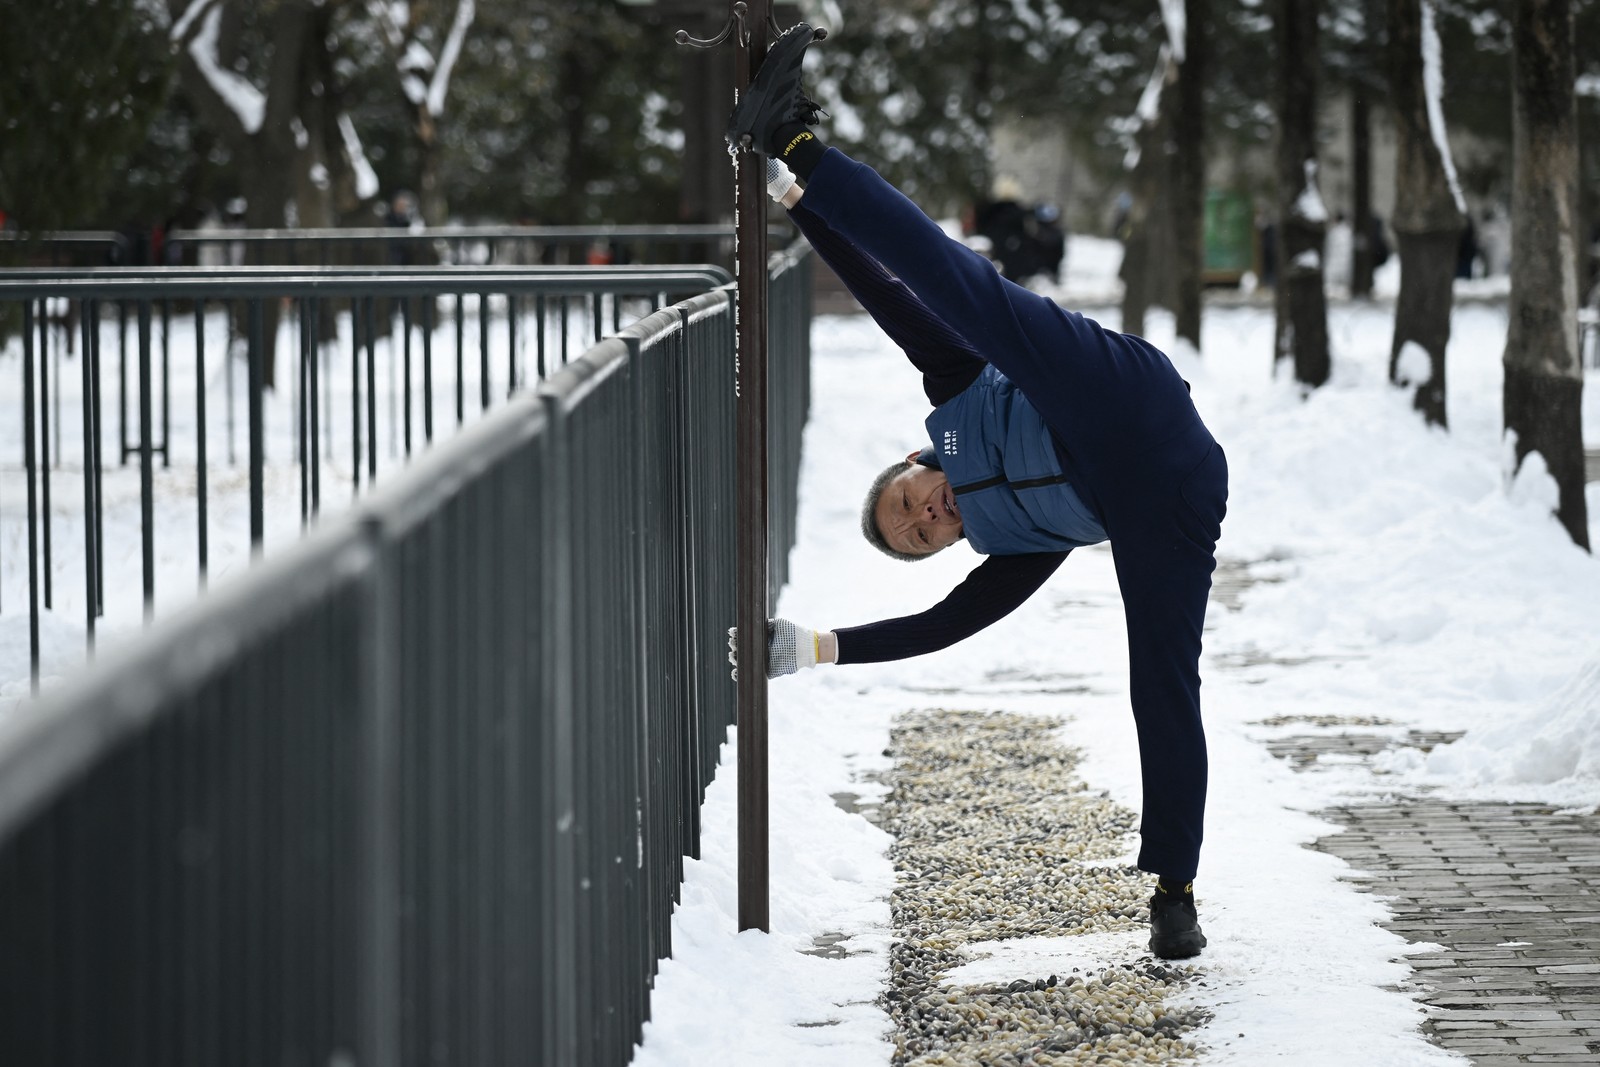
(418, 787)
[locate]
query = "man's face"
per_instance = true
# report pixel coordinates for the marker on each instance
(917, 511)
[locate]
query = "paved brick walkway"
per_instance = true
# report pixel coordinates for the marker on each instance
(1511, 893)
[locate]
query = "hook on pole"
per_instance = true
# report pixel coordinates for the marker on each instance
(736, 20)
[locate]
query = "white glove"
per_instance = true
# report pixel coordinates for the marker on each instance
(789, 648)
(779, 179)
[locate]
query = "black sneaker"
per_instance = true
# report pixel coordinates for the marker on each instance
(1174, 926)
(774, 98)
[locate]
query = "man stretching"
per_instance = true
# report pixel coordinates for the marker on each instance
(1048, 432)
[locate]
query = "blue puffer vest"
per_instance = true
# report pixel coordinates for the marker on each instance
(1002, 462)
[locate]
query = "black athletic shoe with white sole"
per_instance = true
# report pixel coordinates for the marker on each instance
(774, 98)
(1174, 926)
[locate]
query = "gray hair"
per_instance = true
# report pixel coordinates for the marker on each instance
(869, 514)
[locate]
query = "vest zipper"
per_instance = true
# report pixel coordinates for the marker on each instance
(1000, 479)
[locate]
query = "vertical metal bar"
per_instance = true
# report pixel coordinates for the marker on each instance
(166, 383)
(99, 517)
(87, 366)
(483, 349)
(539, 317)
(370, 329)
(405, 324)
(394, 374)
(564, 329)
(44, 440)
(122, 379)
(257, 351)
(327, 364)
(557, 644)
(751, 507)
(355, 391)
(316, 368)
(65, 345)
(201, 541)
(29, 463)
(379, 968)
(302, 414)
(427, 367)
(511, 337)
(147, 503)
(227, 385)
(461, 381)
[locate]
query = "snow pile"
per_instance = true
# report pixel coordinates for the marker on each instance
(1554, 743)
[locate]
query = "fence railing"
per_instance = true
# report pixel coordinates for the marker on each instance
(457, 245)
(417, 789)
(352, 351)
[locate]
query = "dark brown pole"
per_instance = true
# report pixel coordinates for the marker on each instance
(751, 505)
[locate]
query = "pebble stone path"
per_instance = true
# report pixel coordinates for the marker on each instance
(997, 838)
(1510, 893)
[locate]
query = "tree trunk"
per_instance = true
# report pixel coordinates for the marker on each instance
(1364, 88)
(1145, 232)
(707, 191)
(1428, 219)
(575, 82)
(1361, 250)
(1188, 198)
(1302, 307)
(1544, 378)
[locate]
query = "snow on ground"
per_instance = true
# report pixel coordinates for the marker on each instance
(1398, 574)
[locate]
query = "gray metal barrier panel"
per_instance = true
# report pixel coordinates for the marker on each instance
(418, 789)
(181, 836)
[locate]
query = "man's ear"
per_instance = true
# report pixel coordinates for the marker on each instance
(912, 458)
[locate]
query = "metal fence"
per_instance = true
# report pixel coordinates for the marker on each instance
(356, 354)
(417, 789)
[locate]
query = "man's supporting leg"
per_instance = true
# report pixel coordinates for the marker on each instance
(1163, 537)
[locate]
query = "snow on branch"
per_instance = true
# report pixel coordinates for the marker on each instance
(180, 29)
(1433, 89)
(1149, 105)
(390, 18)
(366, 178)
(413, 62)
(1175, 14)
(466, 11)
(238, 93)
(1309, 205)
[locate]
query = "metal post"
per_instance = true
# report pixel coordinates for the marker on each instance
(86, 321)
(29, 461)
(751, 502)
(369, 332)
(315, 358)
(146, 476)
(166, 383)
(258, 357)
(99, 470)
(201, 545)
(44, 443)
(355, 392)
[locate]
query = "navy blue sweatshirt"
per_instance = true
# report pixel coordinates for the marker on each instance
(998, 585)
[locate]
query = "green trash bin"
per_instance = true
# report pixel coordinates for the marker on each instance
(1230, 238)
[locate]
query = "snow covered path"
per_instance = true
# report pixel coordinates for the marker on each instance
(1378, 569)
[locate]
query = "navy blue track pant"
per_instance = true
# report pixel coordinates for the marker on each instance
(1139, 454)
